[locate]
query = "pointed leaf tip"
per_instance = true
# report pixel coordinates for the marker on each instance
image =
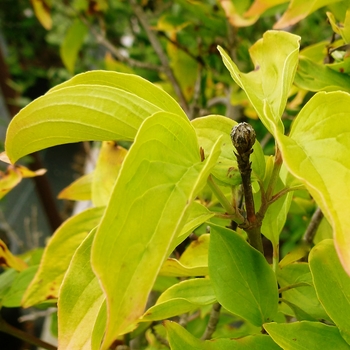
(275, 58)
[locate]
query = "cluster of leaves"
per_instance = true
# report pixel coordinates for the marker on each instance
(155, 203)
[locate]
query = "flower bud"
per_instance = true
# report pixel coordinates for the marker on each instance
(243, 137)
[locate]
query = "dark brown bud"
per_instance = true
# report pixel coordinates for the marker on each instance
(243, 137)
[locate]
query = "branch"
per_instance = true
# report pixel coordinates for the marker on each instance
(160, 53)
(243, 139)
(159, 337)
(9, 329)
(199, 59)
(101, 39)
(313, 226)
(213, 321)
(284, 191)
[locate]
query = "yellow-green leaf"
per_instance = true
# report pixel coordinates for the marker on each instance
(196, 254)
(258, 7)
(173, 267)
(107, 168)
(298, 10)
(185, 69)
(196, 215)
(42, 13)
(9, 260)
(275, 59)
(80, 301)
(13, 176)
(317, 153)
(79, 190)
(72, 43)
(96, 105)
(193, 261)
(234, 13)
(182, 297)
(58, 254)
(159, 179)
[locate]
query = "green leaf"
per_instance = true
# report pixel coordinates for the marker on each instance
(306, 335)
(298, 10)
(80, 300)
(243, 281)
(332, 285)
(314, 52)
(181, 339)
(72, 44)
(297, 253)
(275, 59)
(209, 129)
(58, 254)
(159, 179)
(303, 297)
(181, 298)
(14, 295)
(318, 77)
(297, 312)
(6, 279)
(317, 153)
(96, 105)
(185, 69)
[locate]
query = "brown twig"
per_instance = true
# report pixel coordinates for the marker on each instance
(199, 59)
(101, 39)
(213, 321)
(243, 138)
(284, 191)
(9, 329)
(313, 226)
(159, 337)
(141, 16)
